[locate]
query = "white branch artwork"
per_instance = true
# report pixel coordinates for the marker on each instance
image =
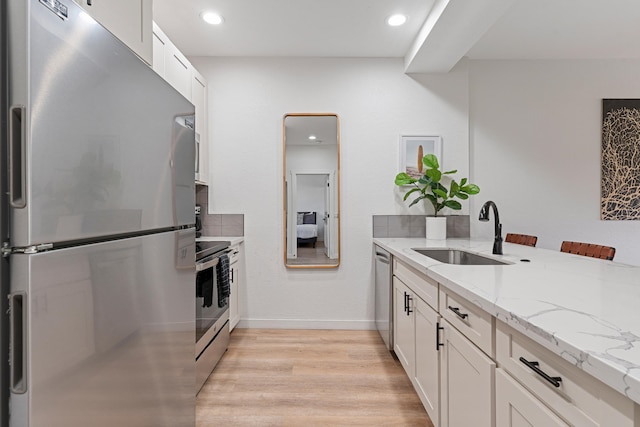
(620, 179)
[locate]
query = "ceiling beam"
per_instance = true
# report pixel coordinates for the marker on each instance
(450, 30)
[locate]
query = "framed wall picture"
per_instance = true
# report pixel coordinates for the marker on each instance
(620, 185)
(413, 148)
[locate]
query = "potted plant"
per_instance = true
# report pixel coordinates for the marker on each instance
(430, 187)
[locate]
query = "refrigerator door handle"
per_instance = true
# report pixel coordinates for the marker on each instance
(17, 156)
(18, 342)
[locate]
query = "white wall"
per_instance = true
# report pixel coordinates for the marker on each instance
(535, 148)
(301, 158)
(376, 103)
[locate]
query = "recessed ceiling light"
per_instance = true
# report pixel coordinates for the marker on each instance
(212, 18)
(396, 20)
(312, 137)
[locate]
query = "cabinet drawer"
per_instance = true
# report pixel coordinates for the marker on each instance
(234, 254)
(424, 287)
(515, 406)
(475, 323)
(579, 398)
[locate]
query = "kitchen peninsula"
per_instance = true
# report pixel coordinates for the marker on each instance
(582, 310)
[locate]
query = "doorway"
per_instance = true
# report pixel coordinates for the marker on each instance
(312, 231)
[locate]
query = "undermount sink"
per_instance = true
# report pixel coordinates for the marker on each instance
(458, 257)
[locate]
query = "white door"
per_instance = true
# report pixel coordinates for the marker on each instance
(327, 216)
(292, 209)
(332, 195)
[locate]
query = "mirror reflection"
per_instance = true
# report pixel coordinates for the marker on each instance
(311, 145)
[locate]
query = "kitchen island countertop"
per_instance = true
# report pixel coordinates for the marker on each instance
(583, 309)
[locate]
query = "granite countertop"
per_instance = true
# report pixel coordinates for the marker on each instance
(583, 309)
(233, 239)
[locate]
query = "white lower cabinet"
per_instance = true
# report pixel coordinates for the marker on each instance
(516, 407)
(403, 326)
(453, 378)
(427, 363)
(234, 284)
(471, 370)
(415, 324)
(576, 397)
(466, 382)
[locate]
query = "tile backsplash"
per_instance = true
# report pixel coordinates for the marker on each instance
(414, 225)
(217, 225)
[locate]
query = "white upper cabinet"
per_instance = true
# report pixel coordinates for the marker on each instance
(170, 63)
(176, 69)
(129, 20)
(199, 88)
(160, 48)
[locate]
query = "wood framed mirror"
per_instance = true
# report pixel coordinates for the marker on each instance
(311, 190)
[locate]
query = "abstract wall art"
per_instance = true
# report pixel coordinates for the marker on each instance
(620, 179)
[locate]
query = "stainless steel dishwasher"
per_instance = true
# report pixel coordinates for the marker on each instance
(384, 296)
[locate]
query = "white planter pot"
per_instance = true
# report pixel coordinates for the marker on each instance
(436, 227)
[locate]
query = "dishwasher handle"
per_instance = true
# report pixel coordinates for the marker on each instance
(384, 258)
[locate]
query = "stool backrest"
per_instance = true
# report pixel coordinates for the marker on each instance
(521, 239)
(588, 249)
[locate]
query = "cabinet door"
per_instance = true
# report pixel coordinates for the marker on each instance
(199, 88)
(160, 49)
(467, 382)
(129, 20)
(403, 327)
(177, 70)
(427, 364)
(234, 300)
(516, 407)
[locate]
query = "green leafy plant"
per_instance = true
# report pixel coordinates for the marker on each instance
(430, 187)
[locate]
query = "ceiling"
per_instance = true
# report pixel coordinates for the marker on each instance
(312, 28)
(564, 29)
(438, 32)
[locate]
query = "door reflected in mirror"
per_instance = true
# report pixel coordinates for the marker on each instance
(311, 184)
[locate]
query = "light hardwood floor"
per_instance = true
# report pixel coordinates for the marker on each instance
(309, 255)
(308, 378)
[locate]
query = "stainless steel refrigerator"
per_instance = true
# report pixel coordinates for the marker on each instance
(98, 233)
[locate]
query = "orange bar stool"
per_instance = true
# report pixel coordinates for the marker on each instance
(521, 239)
(588, 249)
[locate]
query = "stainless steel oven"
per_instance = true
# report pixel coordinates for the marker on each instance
(212, 309)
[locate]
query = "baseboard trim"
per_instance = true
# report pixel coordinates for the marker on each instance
(307, 324)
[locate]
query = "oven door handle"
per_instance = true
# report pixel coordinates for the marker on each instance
(208, 264)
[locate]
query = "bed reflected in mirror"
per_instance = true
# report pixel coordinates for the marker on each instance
(311, 182)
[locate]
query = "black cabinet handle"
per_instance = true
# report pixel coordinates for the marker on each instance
(409, 299)
(406, 302)
(456, 310)
(534, 367)
(438, 343)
